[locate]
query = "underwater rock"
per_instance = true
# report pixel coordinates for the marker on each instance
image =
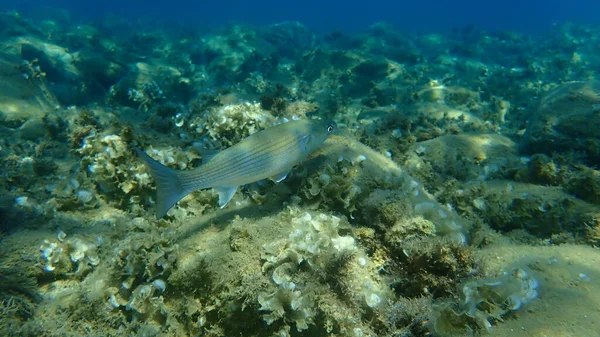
(289, 303)
(229, 124)
(464, 157)
(384, 40)
(585, 184)
(105, 161)
(289, 38)
(543, 211)
(483, 302)
(23, 92)
(312, 240)
(335, 187)
(441, 110)
(563, 119)
(140, 88)
(361, 78)
(99, 72)
(55, 61)
(234, 54)
(70, 256)
(19, 296)
(69, 194)
(315, 242)
(379, 170)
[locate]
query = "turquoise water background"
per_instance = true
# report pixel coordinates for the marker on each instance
(431, 15)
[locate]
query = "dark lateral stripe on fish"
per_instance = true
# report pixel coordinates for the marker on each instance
(254, 159)
(268, 153)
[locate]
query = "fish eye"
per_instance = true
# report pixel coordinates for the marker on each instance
(329, 128)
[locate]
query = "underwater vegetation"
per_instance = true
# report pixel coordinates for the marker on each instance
(458, 195)
(18, 298)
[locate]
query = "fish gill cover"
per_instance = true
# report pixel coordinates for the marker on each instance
(458, 195)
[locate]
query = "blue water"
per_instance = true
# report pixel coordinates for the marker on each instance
(495, 126)
(530, 16)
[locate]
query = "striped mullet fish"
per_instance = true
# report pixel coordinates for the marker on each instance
(270, 153)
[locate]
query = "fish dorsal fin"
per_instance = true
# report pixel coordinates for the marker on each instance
(225, 194)
(207, 154)
(280, 176)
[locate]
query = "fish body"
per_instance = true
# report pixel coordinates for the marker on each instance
(270, 153)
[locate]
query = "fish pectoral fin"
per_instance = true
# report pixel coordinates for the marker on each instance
(225, 194)
(280, 176)
(207, 154)
(304, 143)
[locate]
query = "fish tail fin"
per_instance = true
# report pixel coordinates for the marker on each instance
(168, 184)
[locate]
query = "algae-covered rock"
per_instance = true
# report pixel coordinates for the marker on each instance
(569, 268)
(543, 211)
(483, 302)
(140, 89)
(429, 266)
(564, 119)
(68, 256)
(378, 173)
(55, 61)
(228, 125)
(314, 250)
(464, 157)
(289, 38)
(19, 296)
(335, 187)
(23, 93)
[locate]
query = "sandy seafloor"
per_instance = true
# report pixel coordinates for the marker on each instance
(459, 196)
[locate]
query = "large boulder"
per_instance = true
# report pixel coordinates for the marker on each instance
(568, 119)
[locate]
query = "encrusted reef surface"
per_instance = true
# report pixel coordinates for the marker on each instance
(460, 194)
